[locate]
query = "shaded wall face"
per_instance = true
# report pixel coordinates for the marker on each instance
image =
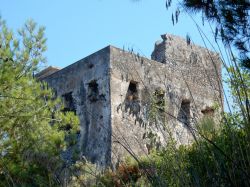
(132, 117)
(84, 88)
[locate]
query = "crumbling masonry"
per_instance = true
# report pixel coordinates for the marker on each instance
(128, 104)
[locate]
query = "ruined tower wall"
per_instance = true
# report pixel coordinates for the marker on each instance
(196, 64)
(183, 81)
(121, 97)
(84, 87)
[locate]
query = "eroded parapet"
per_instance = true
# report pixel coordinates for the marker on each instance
(47, 72)
(194, 63)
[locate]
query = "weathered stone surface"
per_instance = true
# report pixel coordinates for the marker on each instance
(115, 93)
(87, 83)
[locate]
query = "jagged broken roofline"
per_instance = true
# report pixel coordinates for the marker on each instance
(165, 38)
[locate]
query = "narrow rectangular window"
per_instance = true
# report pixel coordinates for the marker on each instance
(132, 93)
(69, 104)
(184, 112)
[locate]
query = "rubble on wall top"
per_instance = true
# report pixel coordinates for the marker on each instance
(47, 71)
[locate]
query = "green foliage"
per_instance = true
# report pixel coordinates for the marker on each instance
(128, 174)
(207, 127)
(239, 83)
(232, 22)
(167, 167)
(83, 174)
(219, 157)
(31, 121)
(224, 162)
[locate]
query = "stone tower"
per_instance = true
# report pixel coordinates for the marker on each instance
(122, 98)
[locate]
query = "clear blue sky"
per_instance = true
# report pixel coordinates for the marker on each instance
(78, 28)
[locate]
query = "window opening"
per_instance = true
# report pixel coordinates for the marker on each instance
(132, 93)
(69, 105)
(93, 91)
(184, 112)
(208, 112)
